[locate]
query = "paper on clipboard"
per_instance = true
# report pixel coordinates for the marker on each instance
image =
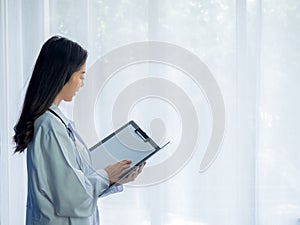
(129, 142)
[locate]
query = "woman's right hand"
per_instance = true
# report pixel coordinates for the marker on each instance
(115, 171)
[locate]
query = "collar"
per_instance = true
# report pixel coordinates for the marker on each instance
(60, 114)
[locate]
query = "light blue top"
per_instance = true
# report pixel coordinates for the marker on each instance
(62, 186)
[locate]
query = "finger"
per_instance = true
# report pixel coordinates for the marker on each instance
(133, 173)
(126, 161)
(124, 166)
(125, 170)
(141, 167)
(120, 166)
(133, 176)
(140, 170)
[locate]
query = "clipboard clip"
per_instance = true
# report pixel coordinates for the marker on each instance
(142, 134)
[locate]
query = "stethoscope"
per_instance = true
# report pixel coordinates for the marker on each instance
(70, 132)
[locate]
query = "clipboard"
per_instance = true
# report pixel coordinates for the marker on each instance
(128, 142)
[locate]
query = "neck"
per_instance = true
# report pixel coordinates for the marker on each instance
(57, 101)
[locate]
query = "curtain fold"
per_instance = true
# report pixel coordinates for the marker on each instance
(13, 171)
(3, 121)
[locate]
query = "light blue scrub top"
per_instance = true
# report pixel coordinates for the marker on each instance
(62, 186)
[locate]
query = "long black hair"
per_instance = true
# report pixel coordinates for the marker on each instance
(59, 58)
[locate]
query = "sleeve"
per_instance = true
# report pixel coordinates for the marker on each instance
(71, 192)
(112, 189)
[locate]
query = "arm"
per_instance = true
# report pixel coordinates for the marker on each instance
(71, 192)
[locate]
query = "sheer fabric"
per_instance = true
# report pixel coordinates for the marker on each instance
(252, 49)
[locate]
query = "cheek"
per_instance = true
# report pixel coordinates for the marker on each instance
(76, 83)
(79, 84)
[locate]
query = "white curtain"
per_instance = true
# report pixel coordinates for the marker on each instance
(251, 48)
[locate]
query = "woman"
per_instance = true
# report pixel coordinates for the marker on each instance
(62, 187)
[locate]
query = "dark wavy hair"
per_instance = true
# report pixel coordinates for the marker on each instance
(59, 58)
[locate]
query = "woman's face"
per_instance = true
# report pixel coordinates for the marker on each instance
(72, 86)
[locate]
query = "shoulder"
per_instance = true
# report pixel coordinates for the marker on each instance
(48, 121)
(50, 131)
(48, 134)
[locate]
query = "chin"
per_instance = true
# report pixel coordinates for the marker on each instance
(68, 100)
